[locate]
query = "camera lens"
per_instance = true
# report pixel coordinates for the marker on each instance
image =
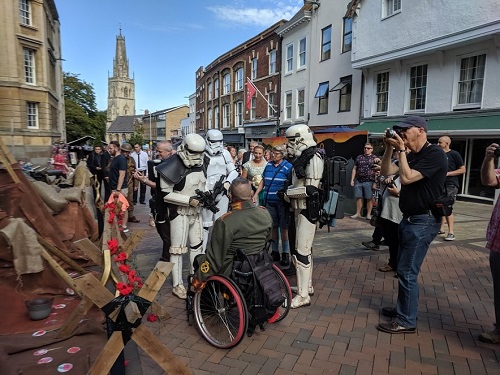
(497, 152)
(389, 133)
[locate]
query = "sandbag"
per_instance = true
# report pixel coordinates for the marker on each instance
(50, 197)
(82, 175)
(73, 194)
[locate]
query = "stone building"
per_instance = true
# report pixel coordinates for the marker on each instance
(220, 90)
(31, 81)
(121, 88)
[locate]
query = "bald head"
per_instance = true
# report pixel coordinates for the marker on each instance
(240, 190)
(444, 142)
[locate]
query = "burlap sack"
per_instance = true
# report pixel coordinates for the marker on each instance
(73, 194)
(50, 197)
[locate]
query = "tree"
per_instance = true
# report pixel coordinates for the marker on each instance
(82, 116)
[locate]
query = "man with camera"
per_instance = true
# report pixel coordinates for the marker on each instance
(456, 168)
(490, 176)
(422, 173)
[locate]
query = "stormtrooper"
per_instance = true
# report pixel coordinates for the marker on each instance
(304, 198)
(180, 176)
(219, 164)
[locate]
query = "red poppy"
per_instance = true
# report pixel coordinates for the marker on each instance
(121, 257)
(152, 317)
(124, 268)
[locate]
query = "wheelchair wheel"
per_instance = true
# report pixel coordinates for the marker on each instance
(220, 312)
(285, 307)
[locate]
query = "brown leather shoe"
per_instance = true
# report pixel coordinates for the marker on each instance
(133, 219)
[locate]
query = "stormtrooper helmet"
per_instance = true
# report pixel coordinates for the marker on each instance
(191, 150)
(215, 144)
(300, 138)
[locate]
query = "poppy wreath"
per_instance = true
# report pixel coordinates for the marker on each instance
(115, 212)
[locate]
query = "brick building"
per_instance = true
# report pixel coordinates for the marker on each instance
(220, 90)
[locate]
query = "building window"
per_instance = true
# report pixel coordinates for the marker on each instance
(288, 105)
(272, 62)
(392, 7)
(238, 80)
(300, 102)
(227, 84)
(326, 43)
(209, 118)
(32, 115)
(470, 85)
(209, 90)
(53, 117)
(238, 114)
(29, 65)
(216, 88)
(253, 109)
(226, 113)
(347, 40)
(25, 12)
(322, 95)
(254, 68)
(216, 118)
(302, 52)
(344, 88)
(418, 87)
(289, 58)
(382, 92)
(270, 108)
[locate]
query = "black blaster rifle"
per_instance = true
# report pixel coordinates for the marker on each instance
(207, 198)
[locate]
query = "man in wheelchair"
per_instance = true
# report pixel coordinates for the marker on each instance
(238, 250)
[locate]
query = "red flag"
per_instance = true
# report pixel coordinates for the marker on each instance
(251, 90)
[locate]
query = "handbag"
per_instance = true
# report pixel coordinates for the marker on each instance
(375, 219)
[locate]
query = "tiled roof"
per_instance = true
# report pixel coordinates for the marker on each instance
(123, 124)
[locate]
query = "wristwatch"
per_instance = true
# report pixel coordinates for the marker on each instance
(403, 150)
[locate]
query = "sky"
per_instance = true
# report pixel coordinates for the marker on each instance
(166, 41)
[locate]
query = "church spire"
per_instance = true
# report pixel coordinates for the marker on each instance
(120, 62)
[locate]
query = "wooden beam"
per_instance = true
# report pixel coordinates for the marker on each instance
(58, 253)
(88, 248)
(108, 355)
(73, 320)
(94, 289)
(61, 272)
(156, 350)
(155, 280)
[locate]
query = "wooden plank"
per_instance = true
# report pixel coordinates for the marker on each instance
(58, 253)
(94, 289)
(158, 352)
(108, 355)
(88, 248)
(158, 309)
(61, 272)
(7, 160)
(131, 243)
(73, 320)
(155, 280)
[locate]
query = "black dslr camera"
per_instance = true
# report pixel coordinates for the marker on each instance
(497, 152)
(390, 133)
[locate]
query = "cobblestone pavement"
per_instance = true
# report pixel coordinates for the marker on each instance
(337, 333)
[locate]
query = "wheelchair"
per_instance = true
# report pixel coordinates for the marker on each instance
(221, 313)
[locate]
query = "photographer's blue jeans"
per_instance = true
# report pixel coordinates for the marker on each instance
(415, 235)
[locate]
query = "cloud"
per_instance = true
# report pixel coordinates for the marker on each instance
(270, 13)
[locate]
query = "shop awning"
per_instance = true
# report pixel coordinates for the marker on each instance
(477, 126)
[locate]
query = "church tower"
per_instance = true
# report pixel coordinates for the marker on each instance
(121, 88)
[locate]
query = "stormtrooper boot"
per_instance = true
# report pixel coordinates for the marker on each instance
(294, 288)
(302, 298)
(178, 288)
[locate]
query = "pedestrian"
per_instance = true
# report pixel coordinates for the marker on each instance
(422, 174)
(118, 176)
(141, 163)
(248, 155)
(456, 168)
(252, 170)
(362, 178)
(490, 176)
(275, 178)
(159, 208)
(132, 185)
(96, 163)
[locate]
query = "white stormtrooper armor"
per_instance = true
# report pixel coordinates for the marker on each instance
(185, 217)
(300, 144)
(220, 164)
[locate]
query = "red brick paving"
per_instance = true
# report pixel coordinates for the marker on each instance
(337, 333)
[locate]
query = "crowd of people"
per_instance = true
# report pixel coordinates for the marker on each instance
(410, 177)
